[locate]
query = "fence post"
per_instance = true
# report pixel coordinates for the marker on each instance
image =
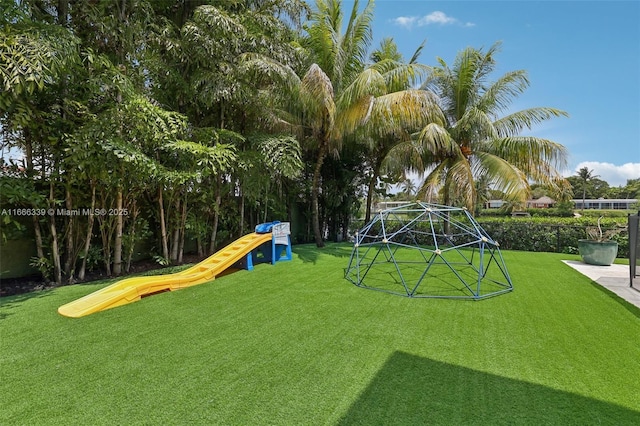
(634, 247)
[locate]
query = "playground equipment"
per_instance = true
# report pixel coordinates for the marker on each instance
(272, 243)
(427, 250)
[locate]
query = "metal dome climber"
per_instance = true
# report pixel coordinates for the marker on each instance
(428, 250)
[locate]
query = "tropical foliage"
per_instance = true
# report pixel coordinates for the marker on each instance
(477, 141)
(189, 122)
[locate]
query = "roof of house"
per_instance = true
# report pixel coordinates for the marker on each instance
(543, 200)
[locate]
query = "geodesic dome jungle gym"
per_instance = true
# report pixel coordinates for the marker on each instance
(428, 250)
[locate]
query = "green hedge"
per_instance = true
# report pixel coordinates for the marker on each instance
(530, 236)
(550, 234)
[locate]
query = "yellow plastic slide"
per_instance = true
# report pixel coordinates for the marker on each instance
(131, 290)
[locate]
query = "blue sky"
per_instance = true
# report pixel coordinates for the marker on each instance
(581, 56)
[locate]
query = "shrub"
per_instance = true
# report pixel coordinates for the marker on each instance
(552, 235)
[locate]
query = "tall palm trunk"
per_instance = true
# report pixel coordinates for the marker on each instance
(370, 190)
(315, 195)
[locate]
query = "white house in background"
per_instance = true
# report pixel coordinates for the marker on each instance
(493, 204)
(599, 204)
(384, 205)
(604, 204)
(540, 203)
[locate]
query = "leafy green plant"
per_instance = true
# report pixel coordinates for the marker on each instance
(94, 258)
(597, 234)
(161, 260)
(43, 265)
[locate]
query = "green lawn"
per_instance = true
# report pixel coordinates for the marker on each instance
(297, 344)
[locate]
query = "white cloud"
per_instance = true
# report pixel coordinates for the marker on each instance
(405, 21)
(437, 17)
(434, 18)
(610, 173)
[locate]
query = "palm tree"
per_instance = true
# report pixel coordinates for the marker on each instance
(483, 192)
(388, 50)
(316, 104)
(339, 95)
(338, 58)
(408, 187)
(585, 176)
(397, 113)
(477, 140)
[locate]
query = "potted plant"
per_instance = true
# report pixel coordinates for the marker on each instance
(599, 249)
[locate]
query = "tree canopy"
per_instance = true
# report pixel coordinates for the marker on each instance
(196, 120)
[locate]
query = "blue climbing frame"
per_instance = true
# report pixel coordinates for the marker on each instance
(453, 256)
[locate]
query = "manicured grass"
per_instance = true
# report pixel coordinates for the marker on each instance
(296, 343)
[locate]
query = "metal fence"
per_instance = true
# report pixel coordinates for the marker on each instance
(558, 238)
(634, 250)
(529, 236)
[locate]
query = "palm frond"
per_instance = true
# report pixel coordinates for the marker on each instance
(355, 114)
(368, 83)
(388, 51)
(514, 123)
(408, 110)
(433, 182)
(405, 76)
(475, 124)
(486, 61)
(357, 39)
(465, 88)
(504, 176)
(459, 184)
(530, 154)
(436, 140)
(417, 53)
(408, 155)
(318, 99)
(499, 95)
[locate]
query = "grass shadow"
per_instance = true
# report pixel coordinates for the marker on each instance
(309, 253)
(409, 389)
(9, 303)
(151, 272)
